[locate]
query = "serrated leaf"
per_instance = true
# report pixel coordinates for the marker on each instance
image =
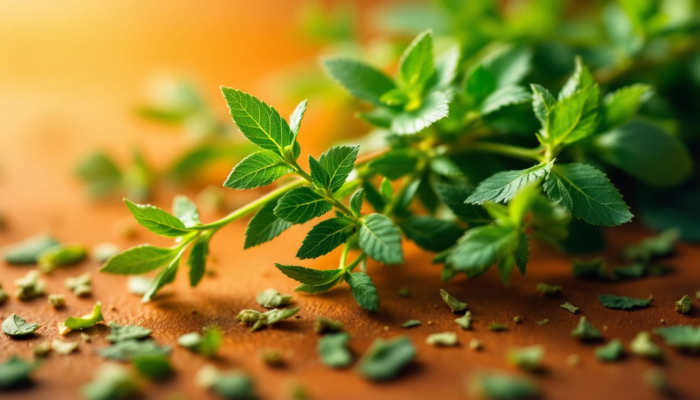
(325, 237)
(296, 117)
(621, 105)
(139, 260)
(542, 102)
(580, 79)
(319, 176)
(431, 233)
(16, 326)
(623, 302)
(338, 162)
(433, 108)
(309, 276)
(264, 226)
(522, 253)
(156, 220)
(503, 186)
(363, 290)
(186, 211)
(258, 169)
(380, 239)
(259, 123)
(482, 247)
(416, 64)
(446, 65)
(573, 118)
(503, 97)
(356, 202)
(588, 194)
(197, 260)
(361, 80)
(373, 196)
(480, 82)
(301, 205)
(509, 65)
(454, 195)
(646, 152)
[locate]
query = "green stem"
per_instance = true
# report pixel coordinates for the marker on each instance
(507, 150)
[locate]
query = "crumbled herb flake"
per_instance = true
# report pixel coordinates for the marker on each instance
(655, 379)
(86, 321)
(496, 327)
(272, 357)
(595, 269)
(62, 347)
(129, 349)
(502, 386)
(325, 325)
(681, 337)
(333, 351)
(229, 385)
(642, 346)
(139, 284)
(634, 271)
(41, 349)
(28, 250)
(612, 351)
(411, 323)
(454, 304)
(542, 322)
(570, 307)
(573, 360)
(385, 359)
(15, 372)
(527, 358)
(623, 302)
(442, 339)
(684, 304)
(586, 332)
(548, 290)
(260, 320)
(60, 256)
(112, 382)
(475, 344)
(120, 333)
(659, 246)
(404, 292)
(206, 344)
(80, 285)
(271, 298)
(16, 326)
(154, 366)
(517, 319)
(465, 321)
(57, 301)
(30, 286)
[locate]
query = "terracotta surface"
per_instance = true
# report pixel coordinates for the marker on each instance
(70, 74)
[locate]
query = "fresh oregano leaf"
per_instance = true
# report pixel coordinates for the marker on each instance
(139, 260)
(333, 351)
(356, 202)
(16, 326)
(325, 237)
(120, 333)
(258, 169)
(503, 186)
(482, 247)
(156, 220)
(338, 162)
(186, 211)
(416, 64)
(301, 205)
(309, 276)
(197, 259)
(363, 290)
(380, 239)
(360, 79)
(623, 302)
(264, 226)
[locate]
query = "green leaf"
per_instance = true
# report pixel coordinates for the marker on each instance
(165, 277)
(361, 80)
(482, 247)
(324, 325)
(309, 276)
(333, 351)
(509, 64)
(380, 239)
(296, 117)
(264, 226)
(186, 211)
(156, 220)
(681, 337)
(259, 123)
(338, 162)
(503, 386)
(623, 302)
(197, 260)
(28, 250)
(363, 290)
(586, 332)
(542, 102)
(547, 289)
(569, 307)
(503, 186)
(258, 169)
(610, 352)
(480, 82)
(642, 346)
(120, 333)
(271, 298)
(527, 358)
(588, 193)
(127, 350)
(154, 366)
(431, 233)
(580, 79)
(301, 205)
(594, 268)
(433, 108)
(646, 152)
(356, 202)
(621, 105)
(455, 305)
(61, 255)
(416, 64)
(234, 385)
(465, 321)
(112, 382)
(206, 344)
(662, 245)
(325, 237)
(453, 195)
(139, 260)
(411, 323)
(86, 321)
(395, 98)
(101, 174)
(395, 164)
(373, 197)
(15, 372)
(319, 176)
(446, 65)
(385, 359)
(15, 326)
(574, 117)
(503, 97)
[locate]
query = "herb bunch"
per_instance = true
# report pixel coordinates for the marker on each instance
(453, 178)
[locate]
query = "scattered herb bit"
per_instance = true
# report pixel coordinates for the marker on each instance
(27, 251)
(41, 349)
(475, 344)
(385, 359)
(15, 326)
(634, 271)
(593, 269)
(229, 385)
(260, 320)
(411, 323)
(15, 372)
(62, 347)
(30, 286)
(139, 284)
(154, 366)
(659, 246)
(697, 294)
(527, 358)
(206, 344)
(612, 351)
(542, 322)
(57, 301)
(681, 337)
(570, 307)
(127, 350)
(517, 319)
(112, 382)
(454, 304)
(86, 338)
(655, 379)
(623, 302)
(660, 270)
(573, 360)
(120, 333)
(442, 339)
(104, 251)
(270, 298)
(86, 321)
(642, 346)
(81, 285)
(465, 321)
(548, 290)
(502, 386)
(683, 305)
(586, 332)
(333, 351)
(496, 327)
(324, 325)
(404, 292)
(60, 256)
(272, 357)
